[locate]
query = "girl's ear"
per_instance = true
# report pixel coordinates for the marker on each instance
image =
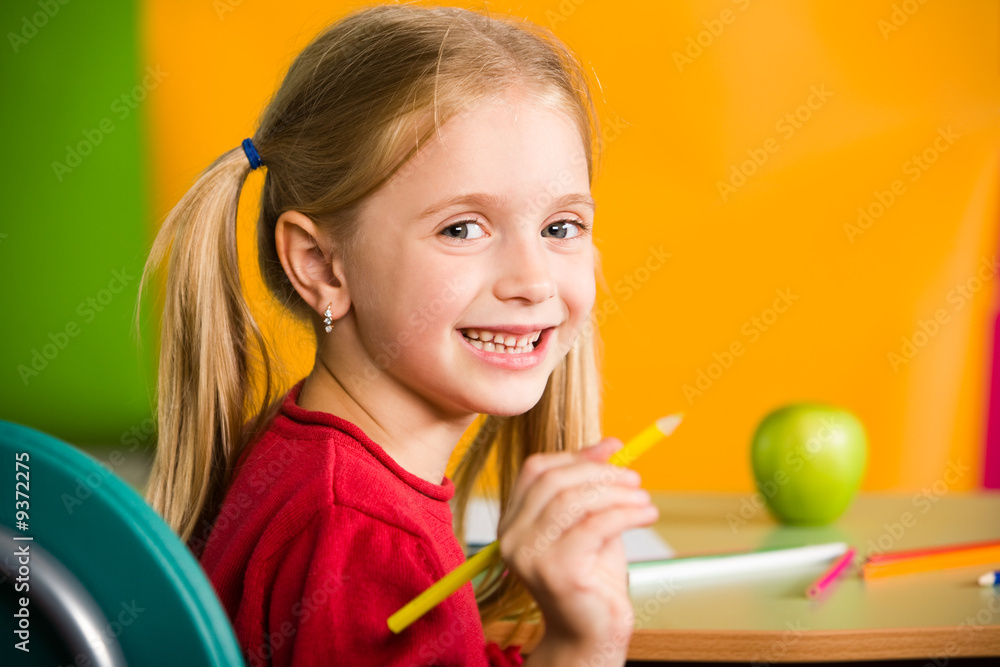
(314, 269)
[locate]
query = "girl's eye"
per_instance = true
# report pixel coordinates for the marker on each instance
(460, 230)
(562, 229)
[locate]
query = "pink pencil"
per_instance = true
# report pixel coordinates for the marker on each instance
(828, 577)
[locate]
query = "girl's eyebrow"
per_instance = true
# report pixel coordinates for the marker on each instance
(487, 200)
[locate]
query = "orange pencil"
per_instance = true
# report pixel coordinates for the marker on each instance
(962, 557)
(913, 553)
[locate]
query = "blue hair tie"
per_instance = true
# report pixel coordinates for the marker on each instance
(252, 154)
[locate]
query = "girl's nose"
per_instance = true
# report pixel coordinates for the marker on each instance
(525, 271)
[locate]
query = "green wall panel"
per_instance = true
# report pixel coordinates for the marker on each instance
(73, 236)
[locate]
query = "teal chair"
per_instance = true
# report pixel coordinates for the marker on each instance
(107, 583)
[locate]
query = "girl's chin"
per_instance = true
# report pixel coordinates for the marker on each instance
(511, 407)
(514, 412)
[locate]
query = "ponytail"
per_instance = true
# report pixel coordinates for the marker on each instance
(215, 388)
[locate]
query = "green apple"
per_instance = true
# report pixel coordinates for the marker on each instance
(808, 460)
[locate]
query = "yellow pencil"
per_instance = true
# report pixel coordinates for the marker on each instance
(465, 572)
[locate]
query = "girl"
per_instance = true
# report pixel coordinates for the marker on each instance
(427, 208)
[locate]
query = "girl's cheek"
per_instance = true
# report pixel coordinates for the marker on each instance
(584, 289)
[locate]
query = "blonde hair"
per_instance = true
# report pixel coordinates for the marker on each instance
(354, 107)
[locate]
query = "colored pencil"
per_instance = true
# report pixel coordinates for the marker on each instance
(826, 580)
(940, 560)
(723, 565)
(468, 570)
(913, 553)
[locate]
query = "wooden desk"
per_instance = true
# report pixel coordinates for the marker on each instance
(769, 619)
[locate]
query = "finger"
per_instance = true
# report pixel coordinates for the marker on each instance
(590, 533)
(599, 565)
(599, 453)
(572, 507)
(537, 464)
(568, 508)
(593, 476)
(563, 493)
(603, 449)
(574, 504)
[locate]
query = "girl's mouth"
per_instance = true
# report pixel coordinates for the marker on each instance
(501, 343)
(516, 351)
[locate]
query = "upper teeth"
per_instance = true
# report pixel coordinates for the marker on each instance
(502, 339)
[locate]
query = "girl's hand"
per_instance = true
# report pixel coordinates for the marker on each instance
(561, 534)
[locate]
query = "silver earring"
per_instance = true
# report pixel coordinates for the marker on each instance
(328, 321)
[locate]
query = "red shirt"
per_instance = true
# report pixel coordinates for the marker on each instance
(321, 537)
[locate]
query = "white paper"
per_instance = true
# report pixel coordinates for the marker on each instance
(481, 518)
(718, 567)
(645, 544)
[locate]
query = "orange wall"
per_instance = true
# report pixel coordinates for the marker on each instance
(680, 117)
